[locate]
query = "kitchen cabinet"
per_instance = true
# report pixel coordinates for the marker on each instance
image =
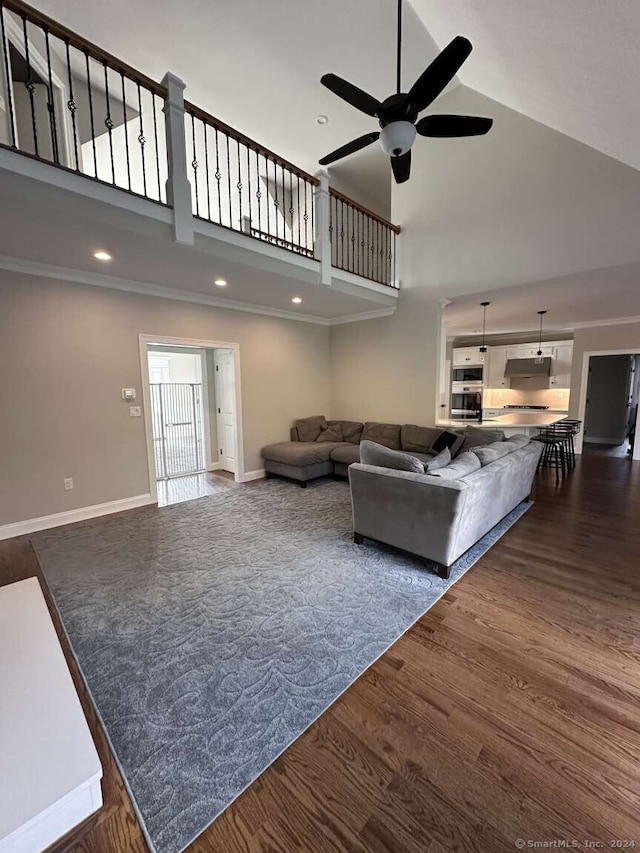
(561, 365)
(494, 372)
(468, 355)
(530, 351)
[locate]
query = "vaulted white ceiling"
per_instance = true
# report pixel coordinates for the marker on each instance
(573, 65)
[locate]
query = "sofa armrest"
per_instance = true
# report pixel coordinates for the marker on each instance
(415, 512)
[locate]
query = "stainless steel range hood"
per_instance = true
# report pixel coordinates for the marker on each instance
(527, 367)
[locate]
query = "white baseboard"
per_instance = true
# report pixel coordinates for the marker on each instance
(214, 466)
(31, 525)
(589, 440)
(253, 475)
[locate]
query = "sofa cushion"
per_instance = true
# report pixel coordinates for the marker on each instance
(386, 434)
(351, 430)
(310, 428)
(440, 461)
(477, 437)
(417, 438)
(346, 454)
(452, 440)
(299, 453)
(384, 457)
(463, 464)
(333, 432)
(520, 439)
(489, 453)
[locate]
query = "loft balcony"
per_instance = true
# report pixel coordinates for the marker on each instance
(94, 153)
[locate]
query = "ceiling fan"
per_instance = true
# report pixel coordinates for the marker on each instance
(398, 113)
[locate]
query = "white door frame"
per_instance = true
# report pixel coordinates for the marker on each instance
(143, 341)
(582, 400)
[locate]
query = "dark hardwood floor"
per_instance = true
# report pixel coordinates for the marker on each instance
(511, 710)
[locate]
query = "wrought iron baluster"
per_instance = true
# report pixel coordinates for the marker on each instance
(218, 177)
(395, 284)
(126, 129)
(291, 207)
(108, 122)
(142, 140)
(229, 183)
(206, 166)
(30, 86)
(239, 184)
(266, 169)
(258, 192)
(276, 201)
(298, 206)
(194, 162)
(51, 107)
(306, 215)
(93, 132)
(7, 71)
(249, 187)
(155, 133)
(312, 221)
(341, 234)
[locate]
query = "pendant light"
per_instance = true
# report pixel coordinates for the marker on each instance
(539, 359)
(483, 348)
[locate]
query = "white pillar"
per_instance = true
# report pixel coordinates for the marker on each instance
(322, 236)
(178, 186)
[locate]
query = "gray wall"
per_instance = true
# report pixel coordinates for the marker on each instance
(67, 351)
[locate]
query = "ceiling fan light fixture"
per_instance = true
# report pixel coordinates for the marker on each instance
(397, 138)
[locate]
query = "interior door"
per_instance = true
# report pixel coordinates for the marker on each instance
(225, 390)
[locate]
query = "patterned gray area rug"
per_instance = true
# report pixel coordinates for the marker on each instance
(211, 634)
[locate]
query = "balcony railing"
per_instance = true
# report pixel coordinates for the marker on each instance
(361, 241)
(76, 106)
(237, 183)
(66, 102)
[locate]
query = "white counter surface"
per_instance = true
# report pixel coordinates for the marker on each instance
(523, 419)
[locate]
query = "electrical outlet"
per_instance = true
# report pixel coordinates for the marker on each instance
(561, 395)
(135, 411)
(68, 484)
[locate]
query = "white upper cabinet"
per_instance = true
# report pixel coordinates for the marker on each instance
(530, 351)
(468, 355)
(561, 365)
(494, 374)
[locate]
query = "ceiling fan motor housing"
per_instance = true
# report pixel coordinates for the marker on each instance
(397, 138)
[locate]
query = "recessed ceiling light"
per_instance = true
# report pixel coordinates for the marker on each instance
(322, 119)
(101, 255)
(296, 300)
(220, 282)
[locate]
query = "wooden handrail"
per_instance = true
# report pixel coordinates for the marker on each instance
(207, 118)
(82, 44)
(365, 210)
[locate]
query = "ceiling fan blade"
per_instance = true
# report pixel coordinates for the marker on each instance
(443, 125)
(401, 167)
(441, 71)
(351, 94)
(350, 148)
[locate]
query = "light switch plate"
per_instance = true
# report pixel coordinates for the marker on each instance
(129, 395)
(135, 411)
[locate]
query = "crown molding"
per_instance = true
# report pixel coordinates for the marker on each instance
(92, 279)
(365, 315)
(618, 321)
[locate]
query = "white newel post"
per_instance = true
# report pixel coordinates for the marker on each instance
(178, 186)
(322, 237)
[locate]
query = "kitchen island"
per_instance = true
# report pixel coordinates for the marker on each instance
(519, 421)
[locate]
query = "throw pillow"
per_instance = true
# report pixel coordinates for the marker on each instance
(452, 440)
(520, 439)
(384, 457)
(492, 452)
(440, 461)
(418, 439)
(333, 432)
(386, 434)
(477, 437)
(466, 463)
(351, 430)
(310, 428)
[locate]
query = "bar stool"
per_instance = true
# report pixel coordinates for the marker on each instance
(568, 429)
(553, 455)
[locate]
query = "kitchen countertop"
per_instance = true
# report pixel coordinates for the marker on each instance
(514, 419)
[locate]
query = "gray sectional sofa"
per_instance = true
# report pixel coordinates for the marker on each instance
(438, 516)
(319, 447)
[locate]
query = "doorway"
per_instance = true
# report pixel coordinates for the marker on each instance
(192, 417)
(611, 405)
